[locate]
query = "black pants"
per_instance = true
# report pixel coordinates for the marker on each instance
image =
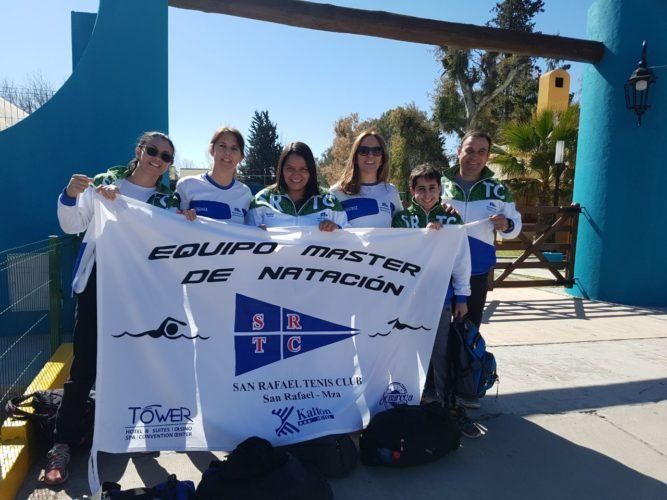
(84, 366)
(439, 377)
(479, 286)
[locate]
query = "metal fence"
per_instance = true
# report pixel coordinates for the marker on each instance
(36, 309)
(18, 102)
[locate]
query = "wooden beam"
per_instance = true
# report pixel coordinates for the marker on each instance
(382, 24)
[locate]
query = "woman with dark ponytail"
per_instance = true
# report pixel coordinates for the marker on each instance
(141, 179)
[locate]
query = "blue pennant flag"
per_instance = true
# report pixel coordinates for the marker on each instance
(261, 345)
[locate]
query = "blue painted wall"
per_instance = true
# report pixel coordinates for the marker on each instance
(118, 90)
(621, 179)
(83, 24)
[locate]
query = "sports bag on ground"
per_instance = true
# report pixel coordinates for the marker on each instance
(171, 489)
(45, 405)
(474, 366)
(409, 435)
(257, 470)
(334, 456)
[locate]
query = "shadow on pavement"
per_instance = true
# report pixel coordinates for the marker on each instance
(516, 459)
(560, 308)
(578, 398)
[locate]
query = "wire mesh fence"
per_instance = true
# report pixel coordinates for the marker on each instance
(36, 309)
(18, 102)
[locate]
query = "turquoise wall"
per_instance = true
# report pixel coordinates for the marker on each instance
(118, 90)
(83, 24)
(621, 179)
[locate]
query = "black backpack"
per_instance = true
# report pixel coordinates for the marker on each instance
(171, 489)
(256, 470)
(334, 456)
(45, 405)
(409, 435)
(474, 366)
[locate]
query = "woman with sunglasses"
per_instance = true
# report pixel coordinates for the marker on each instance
(217, 194)
(368, 199)
(141, 180)
(296, 198)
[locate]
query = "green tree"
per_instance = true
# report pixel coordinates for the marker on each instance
(332, 162)
(259, 165)
(528, 149)
(412, 139)
(480, 90)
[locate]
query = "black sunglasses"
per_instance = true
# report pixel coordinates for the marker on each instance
(153, 151)
(365, 150)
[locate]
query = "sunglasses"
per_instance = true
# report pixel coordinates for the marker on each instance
(153, 151)
(366, 150)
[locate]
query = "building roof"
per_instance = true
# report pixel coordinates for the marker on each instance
(10, 114)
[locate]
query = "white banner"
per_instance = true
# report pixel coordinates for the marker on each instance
(210, 332)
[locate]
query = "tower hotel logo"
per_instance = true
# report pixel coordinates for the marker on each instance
(270, 333)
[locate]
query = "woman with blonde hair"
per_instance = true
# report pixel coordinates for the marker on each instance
(368, 199)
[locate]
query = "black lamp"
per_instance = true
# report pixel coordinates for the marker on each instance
(637, 86)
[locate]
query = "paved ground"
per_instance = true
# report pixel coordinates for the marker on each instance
(581, 413)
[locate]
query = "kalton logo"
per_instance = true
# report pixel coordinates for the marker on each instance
(271, 333)
(304, 417)
(285, 427)
(168, 329)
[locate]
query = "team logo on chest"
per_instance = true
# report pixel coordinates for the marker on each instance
(266, 333)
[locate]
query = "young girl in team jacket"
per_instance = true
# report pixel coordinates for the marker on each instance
(296, 198)
(217, 194)
(368, 199)
(141, 180)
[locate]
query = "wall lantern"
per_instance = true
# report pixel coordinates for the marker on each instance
(637, 86)
(559, 161)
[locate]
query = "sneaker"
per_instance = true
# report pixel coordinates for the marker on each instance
(56, 466)
(470, 403)
(470, 429)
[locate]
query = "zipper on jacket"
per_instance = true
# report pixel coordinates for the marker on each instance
(297, 213)
(466, 196)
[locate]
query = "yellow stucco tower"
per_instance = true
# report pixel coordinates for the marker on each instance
(554, 91)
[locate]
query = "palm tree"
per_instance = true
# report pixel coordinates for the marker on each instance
(528, 148)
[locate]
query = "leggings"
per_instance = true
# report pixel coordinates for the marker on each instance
(84, 366)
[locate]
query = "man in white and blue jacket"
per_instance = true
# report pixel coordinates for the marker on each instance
(472, 189)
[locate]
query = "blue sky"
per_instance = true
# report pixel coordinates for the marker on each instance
(222, 68)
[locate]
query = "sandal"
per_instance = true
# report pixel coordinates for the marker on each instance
(56, 466)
